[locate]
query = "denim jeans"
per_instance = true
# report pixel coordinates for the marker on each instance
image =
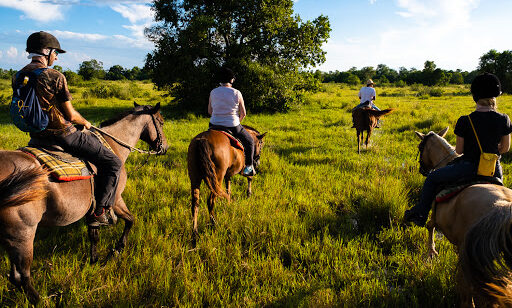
(366, 104)
(447, 175)
(241, 133)
(88, 147)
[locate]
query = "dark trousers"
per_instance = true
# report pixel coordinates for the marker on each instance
(241, 133)
(88, 147)
(446, 175)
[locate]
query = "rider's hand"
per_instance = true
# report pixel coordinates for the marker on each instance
(87, 124)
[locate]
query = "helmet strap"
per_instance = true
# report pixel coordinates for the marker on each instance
(48, 56)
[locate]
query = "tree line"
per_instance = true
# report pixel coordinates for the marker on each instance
(93, 69)
(498, 63)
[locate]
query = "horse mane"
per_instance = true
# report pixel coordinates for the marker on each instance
(251, 128)
(117, 118)
(137, 110)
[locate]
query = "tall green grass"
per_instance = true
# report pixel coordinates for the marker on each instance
(323, 227)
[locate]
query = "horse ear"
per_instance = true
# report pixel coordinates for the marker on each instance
(443, 132)
(262, 135)
(420, 135)
(135, 104)
(156, 108)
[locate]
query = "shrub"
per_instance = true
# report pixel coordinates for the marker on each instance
(436, 92)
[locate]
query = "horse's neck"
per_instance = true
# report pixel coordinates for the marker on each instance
(127, 130)
(442, 154)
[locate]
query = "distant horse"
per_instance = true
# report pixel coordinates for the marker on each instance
(365, 119)
(28, 198)
(211, 158)
(478, 221)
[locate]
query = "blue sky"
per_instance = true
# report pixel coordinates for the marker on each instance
(452, 33)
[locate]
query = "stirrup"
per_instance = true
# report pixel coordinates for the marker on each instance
(249, 171)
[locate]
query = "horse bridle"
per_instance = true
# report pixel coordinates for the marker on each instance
(424, 170)
(159, 140)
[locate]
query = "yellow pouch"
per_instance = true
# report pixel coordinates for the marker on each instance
(487, 164)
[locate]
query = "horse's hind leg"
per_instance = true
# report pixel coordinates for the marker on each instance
(123, 212)
(20, 251)
(195, 209)
(368, 134)
(211, 205)
(359, 139)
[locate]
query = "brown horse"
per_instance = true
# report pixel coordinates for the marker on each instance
(478, 221)
(29, 198)
(212, 158)
(366, 119)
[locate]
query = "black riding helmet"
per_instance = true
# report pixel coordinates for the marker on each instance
(38, 41)
(485, 85)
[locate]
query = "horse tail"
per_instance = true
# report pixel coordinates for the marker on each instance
(23, 186)
(208, 167)
(378, 113)
(486, 254)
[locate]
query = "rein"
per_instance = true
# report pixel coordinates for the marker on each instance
(159, 140)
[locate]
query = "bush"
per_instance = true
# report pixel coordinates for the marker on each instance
(72, 77)
(400, 84)
(436, 92)
(114, 90)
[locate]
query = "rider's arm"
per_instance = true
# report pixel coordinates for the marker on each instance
(210, 109)
(241, 108)
(73, 116)
(459, 145)
(504, 144)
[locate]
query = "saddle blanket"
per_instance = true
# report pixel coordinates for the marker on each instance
(451, 191)
(63, 166)
(70, 169)
(234, 142)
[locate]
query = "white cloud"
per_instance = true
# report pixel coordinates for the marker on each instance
(140, 17)
(12, 52)
(79, 36)
(134, 12)
(38, 10)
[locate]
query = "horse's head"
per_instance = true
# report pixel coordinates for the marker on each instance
(258, 144)
(434, 151)
(153, 133)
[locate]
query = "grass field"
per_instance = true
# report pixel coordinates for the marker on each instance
(323, 227)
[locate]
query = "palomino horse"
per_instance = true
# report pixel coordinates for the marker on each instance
(366, 119)
(212, 158)
(478, 222)
(28, 198)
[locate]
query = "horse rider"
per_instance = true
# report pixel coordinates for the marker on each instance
(55, 99)
(493, 129)
(227, 109)
(367, 96)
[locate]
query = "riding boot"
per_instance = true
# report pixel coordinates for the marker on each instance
(99, 218)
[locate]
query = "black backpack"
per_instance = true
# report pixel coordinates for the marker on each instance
(26, 112)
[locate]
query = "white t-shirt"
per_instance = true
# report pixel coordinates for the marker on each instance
(225, 104)
(367, 94)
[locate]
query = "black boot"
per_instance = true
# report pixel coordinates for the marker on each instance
(99, 218)
(410, 216)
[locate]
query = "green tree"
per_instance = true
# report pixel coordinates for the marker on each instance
(261, 40)
(116, 72)
(91, 69)
(58, 68)
(499, 64)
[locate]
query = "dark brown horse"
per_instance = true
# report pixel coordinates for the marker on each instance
(212, 158)
(28, 198)
(478, 221)
(366, 119)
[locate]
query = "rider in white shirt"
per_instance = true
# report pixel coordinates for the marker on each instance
(367, 95)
